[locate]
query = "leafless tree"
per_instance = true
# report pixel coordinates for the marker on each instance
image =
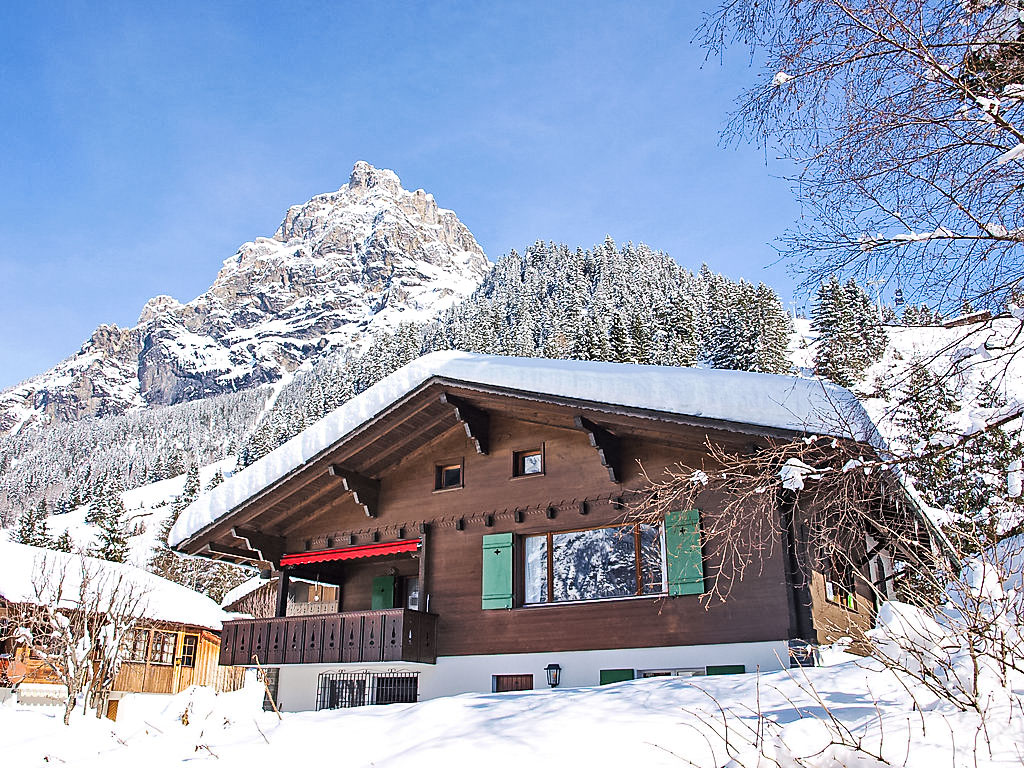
(904, 126)
(76, 625)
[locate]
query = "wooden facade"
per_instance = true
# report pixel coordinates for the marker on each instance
(383, 483)
(168, 658)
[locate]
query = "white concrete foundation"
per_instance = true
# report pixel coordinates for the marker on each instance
(473, 674)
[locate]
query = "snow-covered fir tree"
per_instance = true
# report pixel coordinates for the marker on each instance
(212, 579)
(32, 526)
(108, 513)
(850, 333)
(967, 480)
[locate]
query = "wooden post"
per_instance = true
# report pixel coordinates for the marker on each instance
(282, 593)
(423, 567)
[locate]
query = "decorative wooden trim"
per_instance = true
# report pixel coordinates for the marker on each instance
(606, 443)
(269, 548)
(476, 422)
(365, 490)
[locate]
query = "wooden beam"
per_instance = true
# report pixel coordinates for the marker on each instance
(365, 490)
(606, 443)
(235, 553)
(476, 422)
(269, 548)
(271, 522)
(400, 449)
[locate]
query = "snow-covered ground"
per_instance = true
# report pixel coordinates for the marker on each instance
(654, 722)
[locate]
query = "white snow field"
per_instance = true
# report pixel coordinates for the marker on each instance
(653, 722)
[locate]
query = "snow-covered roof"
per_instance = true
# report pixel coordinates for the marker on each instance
(756, 399)
(247, 587)
(21, 567)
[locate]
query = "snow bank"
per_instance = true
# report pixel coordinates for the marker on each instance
(164, 600)
(758, 399)
(668, 721)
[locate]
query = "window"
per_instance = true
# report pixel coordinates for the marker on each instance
(525, 463)
(396, 689)
(447, 476)
(189, 647)
(839, 586)
(135, 644)
(339, 690)
(504, 683)
(594, 564)
(675, 672)
(161, 649)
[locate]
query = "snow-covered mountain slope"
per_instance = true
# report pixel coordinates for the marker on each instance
(966, 357)
(146, 509)
(366, 257)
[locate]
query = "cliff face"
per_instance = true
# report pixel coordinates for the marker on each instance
(343, 264)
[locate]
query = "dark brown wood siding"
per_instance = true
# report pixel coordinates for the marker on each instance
(492, 501)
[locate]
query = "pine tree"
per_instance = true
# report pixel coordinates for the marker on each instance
(109, 515)
(850, 334)
(32, 526)
(64, 543)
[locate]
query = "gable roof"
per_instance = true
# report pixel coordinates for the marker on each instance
(163, 600)
(780, 403)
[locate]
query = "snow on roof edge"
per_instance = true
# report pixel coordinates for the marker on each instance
(163, 600)
(758, 399)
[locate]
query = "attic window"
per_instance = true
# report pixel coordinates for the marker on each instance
(526, 463)
(447, 476)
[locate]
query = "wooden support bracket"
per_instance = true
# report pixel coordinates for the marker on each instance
(233, 553)
(365, 490)
(607, 446)
(476, 422)
(268, 548)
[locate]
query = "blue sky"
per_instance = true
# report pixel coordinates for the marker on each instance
(140, 146)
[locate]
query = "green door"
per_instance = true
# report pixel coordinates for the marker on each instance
(383, 593)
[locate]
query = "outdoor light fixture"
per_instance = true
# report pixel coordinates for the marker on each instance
(554, 672)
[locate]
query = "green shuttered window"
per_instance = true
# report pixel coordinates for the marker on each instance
(615, 675)
(683, 553)
(497, 571)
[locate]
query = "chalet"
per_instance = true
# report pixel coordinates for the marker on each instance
(460, 525)
(174, 644)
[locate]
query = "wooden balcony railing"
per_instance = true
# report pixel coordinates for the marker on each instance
(394, 634)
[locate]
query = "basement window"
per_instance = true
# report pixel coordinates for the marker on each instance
(447, 476)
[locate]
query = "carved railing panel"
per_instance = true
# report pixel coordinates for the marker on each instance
(395, 634)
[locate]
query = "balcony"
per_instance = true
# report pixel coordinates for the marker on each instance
(394, 634)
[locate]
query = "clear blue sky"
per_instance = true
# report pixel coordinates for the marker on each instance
(139, 147)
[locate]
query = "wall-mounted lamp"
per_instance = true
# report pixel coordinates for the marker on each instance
(554, 674)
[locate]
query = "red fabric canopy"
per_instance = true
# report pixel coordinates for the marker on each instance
(349, 553)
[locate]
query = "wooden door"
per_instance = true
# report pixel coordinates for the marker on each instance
(185, 661)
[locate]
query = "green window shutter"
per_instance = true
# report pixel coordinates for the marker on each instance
(383, 593)
(683, 553)
(497, 571)
(615, 675)
(727, 669)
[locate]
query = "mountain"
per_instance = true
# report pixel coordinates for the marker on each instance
(339, 267)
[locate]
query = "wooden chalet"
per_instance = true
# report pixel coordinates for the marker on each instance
(174, 644)
(466, 517)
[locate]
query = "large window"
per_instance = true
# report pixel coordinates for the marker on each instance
(594, 564)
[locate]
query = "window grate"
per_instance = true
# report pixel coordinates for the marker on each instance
(340, 690)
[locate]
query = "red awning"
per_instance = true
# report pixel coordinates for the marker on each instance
(350, 553)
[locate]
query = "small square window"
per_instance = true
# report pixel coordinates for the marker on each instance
(447, 476)
(528, 463)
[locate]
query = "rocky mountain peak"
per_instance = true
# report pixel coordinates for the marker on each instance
(340, 266)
